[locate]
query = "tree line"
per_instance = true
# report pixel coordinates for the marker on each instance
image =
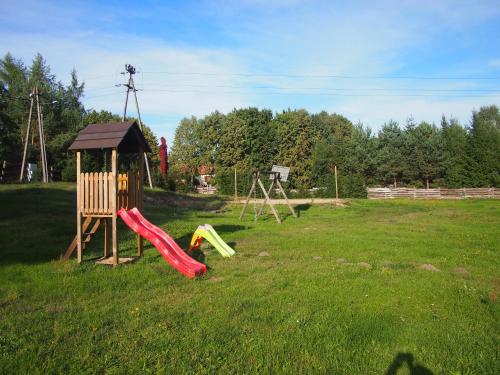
(64, 116)
(248, 139)
(414, 154)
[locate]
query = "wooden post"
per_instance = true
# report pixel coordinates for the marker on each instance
(286, 198)
(235, 186)
(78, 208)
(106, 238)
(267, 198)
(114, 238)
(41, 138)
(336, 185)
(140, 187)
(26, 140)
(248, 198)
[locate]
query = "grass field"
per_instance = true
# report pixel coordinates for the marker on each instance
(337, 291)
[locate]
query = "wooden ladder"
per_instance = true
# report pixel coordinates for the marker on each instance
(87, 236)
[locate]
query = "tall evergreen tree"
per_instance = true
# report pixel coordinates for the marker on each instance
(454, 153)
(390, 156)
(425, 151)
(484, 147)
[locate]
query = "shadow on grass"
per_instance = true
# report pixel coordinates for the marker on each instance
(185, 201)
(413, 369)
(38, 223)
(301, 208)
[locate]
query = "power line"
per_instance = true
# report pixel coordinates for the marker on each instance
(469, 77)
(321, 88)
(323, 93)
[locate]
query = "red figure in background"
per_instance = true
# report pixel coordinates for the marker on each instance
(163, 158)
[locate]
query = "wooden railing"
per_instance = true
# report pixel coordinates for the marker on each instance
(387, 193)
(96, 192)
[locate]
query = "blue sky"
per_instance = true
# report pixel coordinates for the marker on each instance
(370, 61)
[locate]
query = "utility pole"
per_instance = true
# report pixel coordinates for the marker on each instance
(336, 185)
(130, 85)
(35, 100)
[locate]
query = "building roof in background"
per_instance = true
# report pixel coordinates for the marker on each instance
(126, 136)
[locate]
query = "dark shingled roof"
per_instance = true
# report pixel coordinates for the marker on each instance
(126, 136)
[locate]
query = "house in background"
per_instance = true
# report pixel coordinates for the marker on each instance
(204, 179)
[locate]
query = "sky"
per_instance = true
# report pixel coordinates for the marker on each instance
(370, 61)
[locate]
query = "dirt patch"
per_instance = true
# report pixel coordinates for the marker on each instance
(429, 267)
(316, 258)
(460, 271)
(215, 279)
(366, 266)
(56, 309)
(340, 260)
(493, 296)
(263, 254)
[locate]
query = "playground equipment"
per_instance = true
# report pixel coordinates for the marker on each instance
(103, 196)
(208, 232)
(275, 175)
(35, 101)
(165, 244)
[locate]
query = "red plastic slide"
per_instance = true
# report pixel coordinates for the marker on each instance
(165, 244)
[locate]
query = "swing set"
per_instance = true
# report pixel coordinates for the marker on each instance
(275, 176)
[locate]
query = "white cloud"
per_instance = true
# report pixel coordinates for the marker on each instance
(300, 38)
(99, 60)
(495, 63)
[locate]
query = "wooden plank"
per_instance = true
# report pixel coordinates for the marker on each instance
(78, 213)
(91, 193)
(105, 187)
(96, 192)
(110, 192)
(101, 192)
(139, 198)
(270, 203)
(106, 237)
(73, 245)
(82, 192)
(114, 238)
(248, 198)
(132, 190)
(265, 200)
(286, 198)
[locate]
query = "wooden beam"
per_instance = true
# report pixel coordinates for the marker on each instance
(114, 238)
(248, 198)
(265, 200)
(286, 198)
(73, 245)
(26, 140)
(106, 237)
(269, 201)
(336, 185)
(78, 212)
(139, 196)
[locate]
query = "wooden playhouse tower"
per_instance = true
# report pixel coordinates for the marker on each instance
(100, 195)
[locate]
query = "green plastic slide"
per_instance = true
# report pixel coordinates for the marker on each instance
(208, 232)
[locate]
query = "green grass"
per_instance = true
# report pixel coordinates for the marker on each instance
(298, 310)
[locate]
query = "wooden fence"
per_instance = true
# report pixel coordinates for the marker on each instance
(411, 193)
(96, 190)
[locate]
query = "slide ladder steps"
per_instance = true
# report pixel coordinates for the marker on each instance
(87, 236)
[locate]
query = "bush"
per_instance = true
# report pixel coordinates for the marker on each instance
(68, 172)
